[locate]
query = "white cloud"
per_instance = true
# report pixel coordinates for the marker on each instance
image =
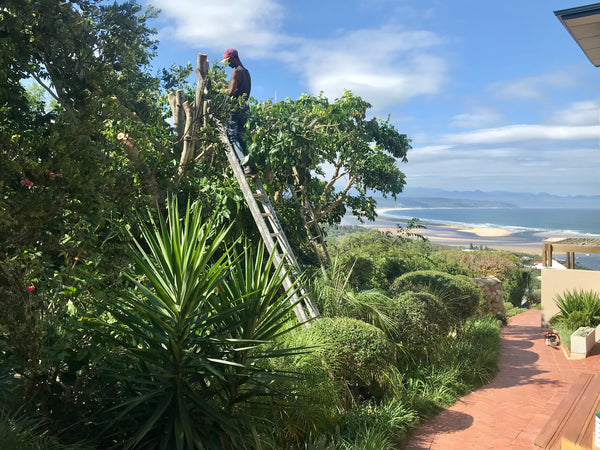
(384, 66)
(531, 87)
(480, 117)
(578, 114)
(551, 169)
(250, 25)
(520, 133)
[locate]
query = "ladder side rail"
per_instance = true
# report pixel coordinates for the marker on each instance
(266, 234)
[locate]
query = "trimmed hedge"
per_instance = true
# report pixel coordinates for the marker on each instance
(351, 349)
(420, 319)
(459, 294)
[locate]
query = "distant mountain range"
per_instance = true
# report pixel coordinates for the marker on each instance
(414, 197)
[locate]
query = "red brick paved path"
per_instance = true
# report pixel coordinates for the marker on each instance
(509, 412)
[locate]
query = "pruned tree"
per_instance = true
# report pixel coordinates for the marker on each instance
(327, 155)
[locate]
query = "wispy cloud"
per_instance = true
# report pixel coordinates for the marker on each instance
(479, 117)
(531, 87)
(520, 133)
(578, 114)
(384, 65)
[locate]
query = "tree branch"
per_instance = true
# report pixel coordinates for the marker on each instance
(341, 197)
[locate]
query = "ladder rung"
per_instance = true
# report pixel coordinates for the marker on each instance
(275, 234)
(257, 195)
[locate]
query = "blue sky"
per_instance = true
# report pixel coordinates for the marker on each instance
(493, 95)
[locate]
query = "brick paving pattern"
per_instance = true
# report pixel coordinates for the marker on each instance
(509, 412)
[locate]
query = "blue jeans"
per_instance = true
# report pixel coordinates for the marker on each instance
(235, 132)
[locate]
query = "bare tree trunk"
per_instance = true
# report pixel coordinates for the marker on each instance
(195, 118)
(176, 103)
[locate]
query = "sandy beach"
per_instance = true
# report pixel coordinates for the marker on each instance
(463, 236)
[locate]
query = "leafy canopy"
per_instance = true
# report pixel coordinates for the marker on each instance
(330, 151)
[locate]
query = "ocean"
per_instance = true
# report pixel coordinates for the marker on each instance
(541, 222)
(560, 221)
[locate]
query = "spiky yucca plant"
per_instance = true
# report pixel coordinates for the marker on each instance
(187, 340)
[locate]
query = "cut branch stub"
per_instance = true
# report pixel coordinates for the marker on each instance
(176, 103)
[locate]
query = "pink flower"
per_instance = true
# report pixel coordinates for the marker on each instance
(53, 175)
(26, 183)
(30, 288)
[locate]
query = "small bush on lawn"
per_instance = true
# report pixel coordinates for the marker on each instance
(461, 295)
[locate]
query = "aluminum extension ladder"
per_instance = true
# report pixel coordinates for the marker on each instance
(272, 234)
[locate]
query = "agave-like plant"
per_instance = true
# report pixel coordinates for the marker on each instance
(187, 339)
(586, 303)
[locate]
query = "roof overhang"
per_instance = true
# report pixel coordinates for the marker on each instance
(583, 24)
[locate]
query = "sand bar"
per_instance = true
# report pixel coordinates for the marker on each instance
(464, 236)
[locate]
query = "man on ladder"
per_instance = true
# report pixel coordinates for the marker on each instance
(255, 194)
(239, 88)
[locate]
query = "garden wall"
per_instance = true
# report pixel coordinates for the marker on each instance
(493, 293)
(555, 281)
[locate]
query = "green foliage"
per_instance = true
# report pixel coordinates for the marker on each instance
(375, 426)
(501, 265)
(459, 364)
(564, 329)
(19, 432)
(579, 307)
(460, 295)
(190, 335)
(477, 264)
(296, 139)
(514, 286)
(378, 258)
(420, 320)
(352, 351)
(336, 298)
(511, 310)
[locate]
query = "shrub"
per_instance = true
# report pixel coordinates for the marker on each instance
(460, 294)
(535, 296)
(360, 426)
(515, 284)
(352, 350)
(478, 264)
(379, 258)
(420, 319)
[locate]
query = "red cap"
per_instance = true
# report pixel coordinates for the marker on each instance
(230, 52)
